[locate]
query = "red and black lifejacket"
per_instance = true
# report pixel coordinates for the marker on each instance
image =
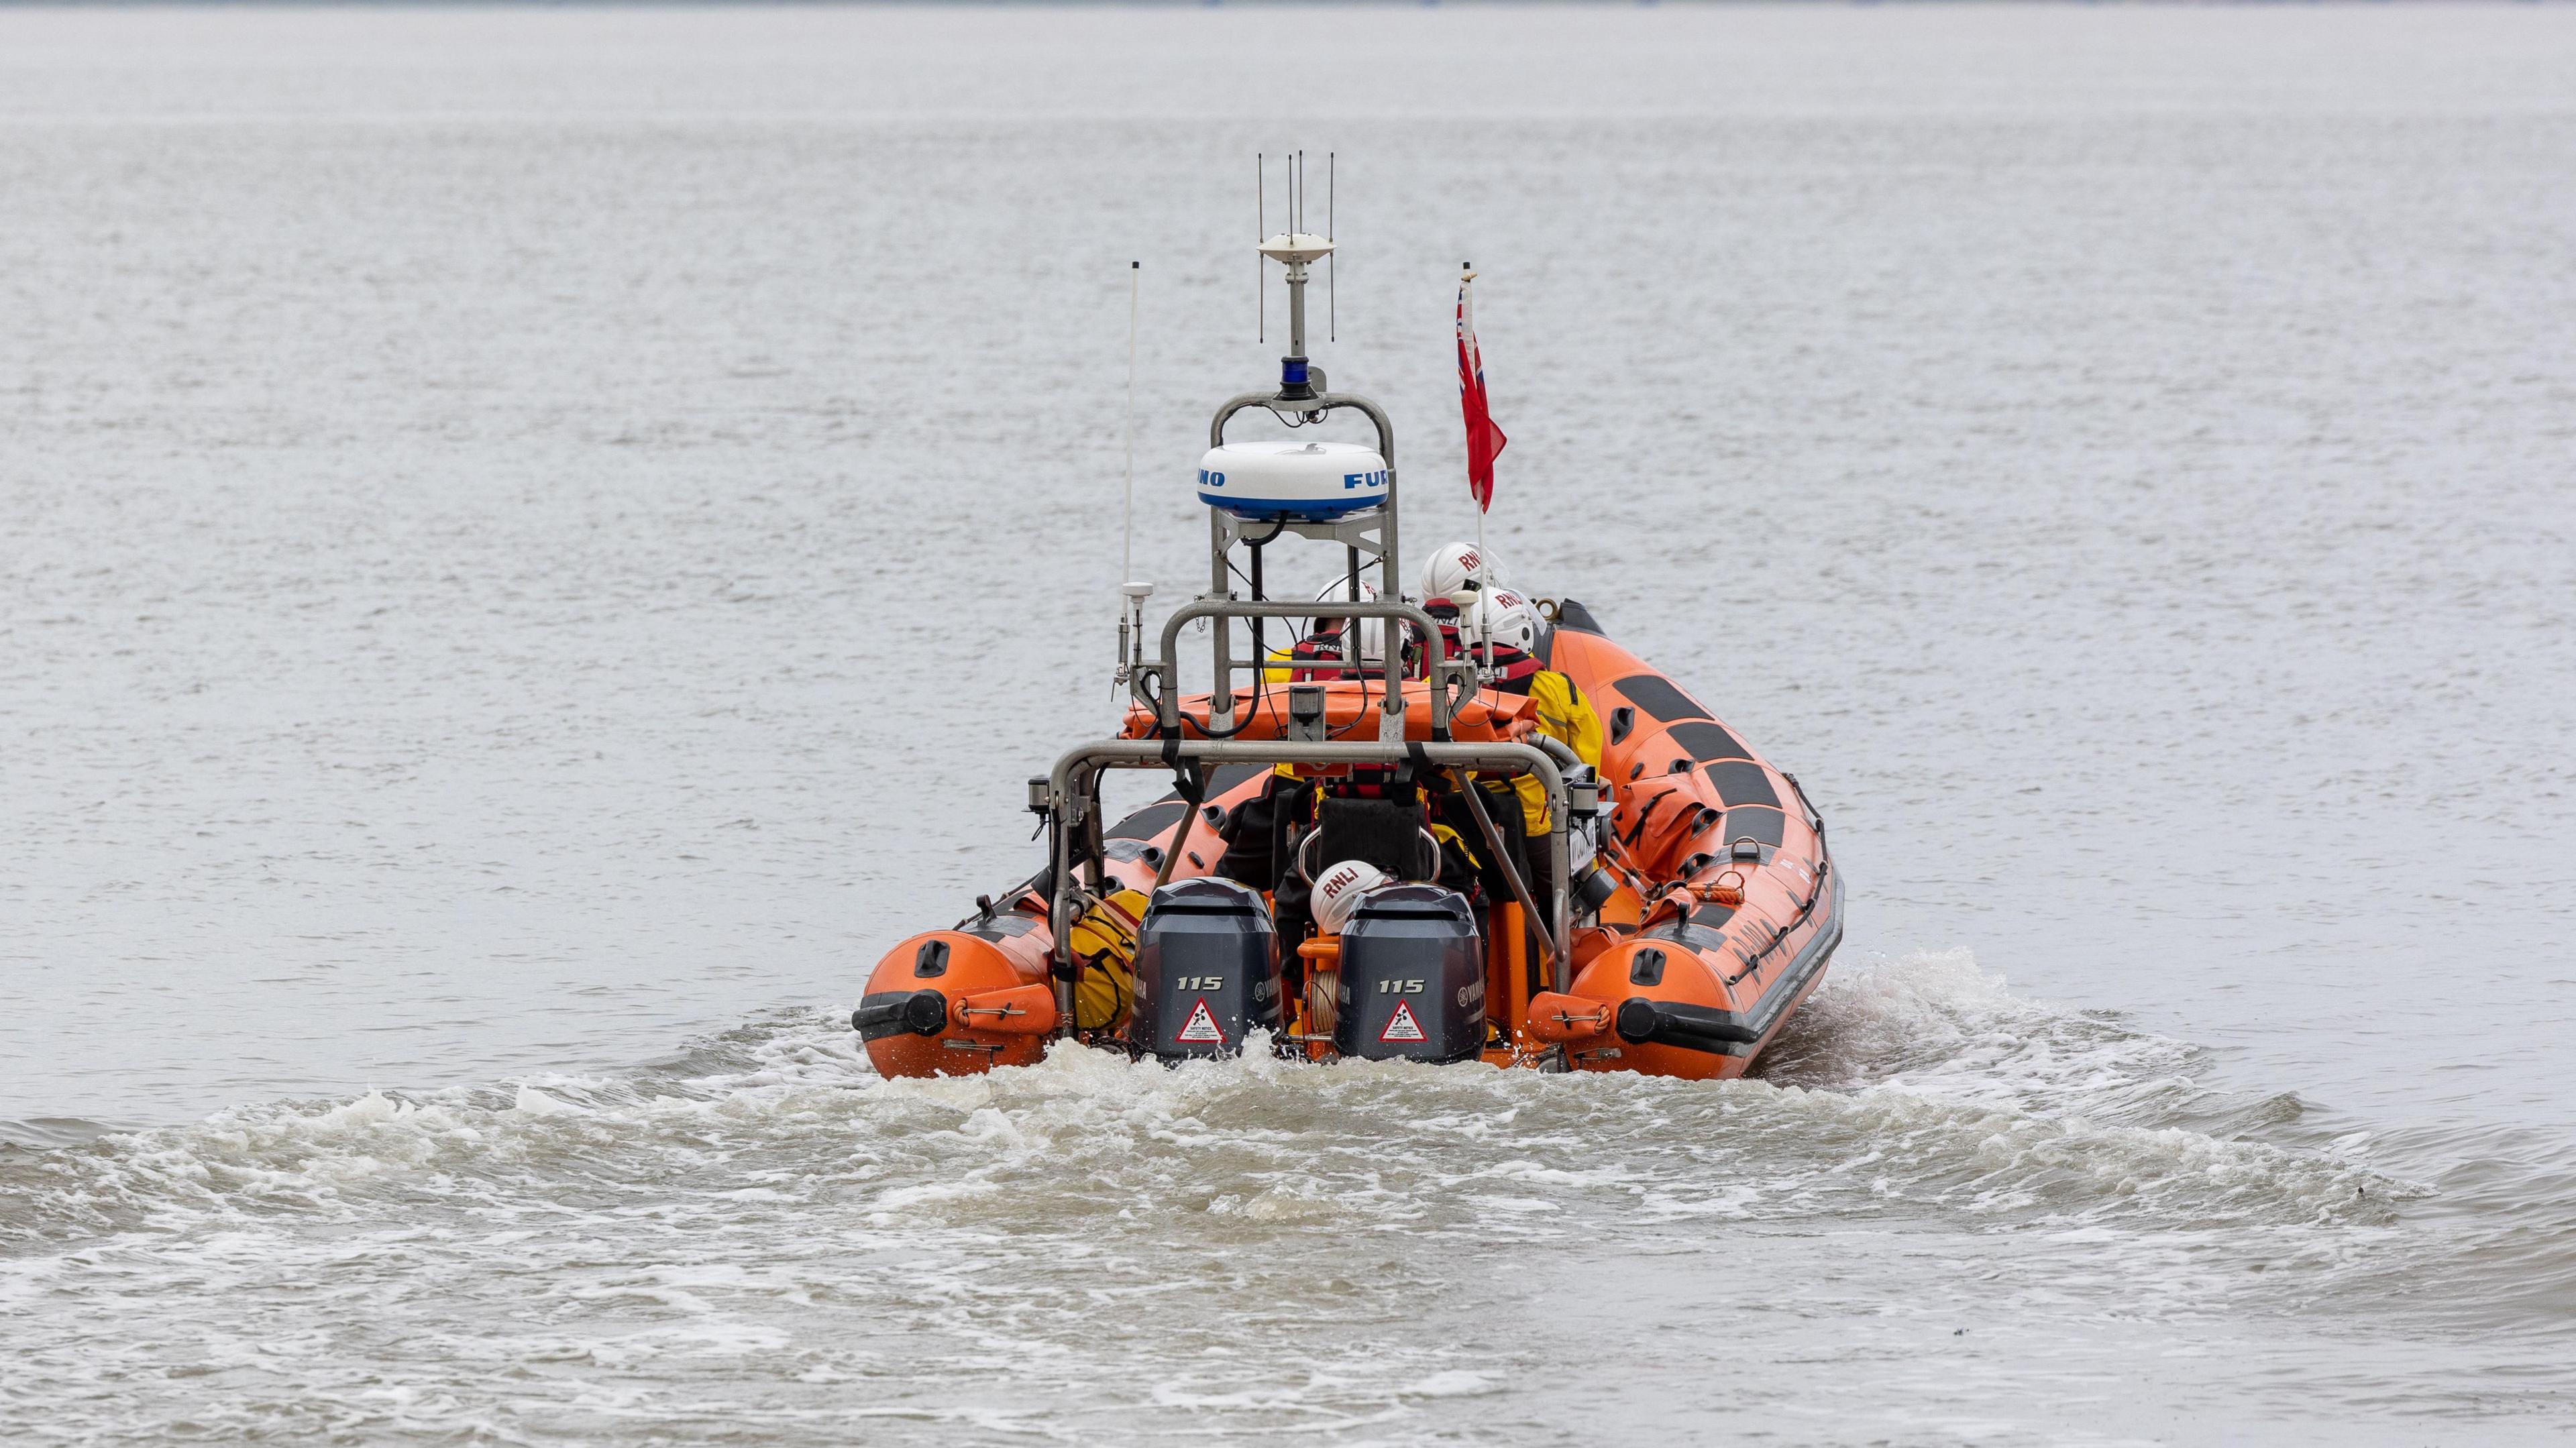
(1324, 647)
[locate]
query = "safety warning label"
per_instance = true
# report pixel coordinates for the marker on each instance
(1403, 1027)
(1202, 1026)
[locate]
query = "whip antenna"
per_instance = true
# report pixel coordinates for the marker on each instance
(1260, 233)
(1332, 261)
(1135, 286)
(1132, 591)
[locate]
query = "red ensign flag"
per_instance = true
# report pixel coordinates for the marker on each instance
(1484, 440)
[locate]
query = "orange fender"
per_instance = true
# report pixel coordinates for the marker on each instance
(1557, 1018)
(1024, 1010)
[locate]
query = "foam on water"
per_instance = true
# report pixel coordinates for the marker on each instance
(762, 1237)
(1953, 1092)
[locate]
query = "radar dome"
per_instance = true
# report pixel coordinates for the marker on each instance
(1297, 481)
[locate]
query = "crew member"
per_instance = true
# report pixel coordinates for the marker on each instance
(1457, 571)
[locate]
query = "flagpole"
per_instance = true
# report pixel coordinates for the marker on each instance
(1467, 320)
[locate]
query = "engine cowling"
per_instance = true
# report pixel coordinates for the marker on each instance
(1207, 971)
(1412, 977)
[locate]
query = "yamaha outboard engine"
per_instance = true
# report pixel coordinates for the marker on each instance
(1207, 971)
(1412, 977)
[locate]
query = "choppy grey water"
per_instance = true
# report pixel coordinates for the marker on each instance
(541, 541)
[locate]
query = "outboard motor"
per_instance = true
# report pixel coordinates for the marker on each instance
(1207, 971)
(1412, 977)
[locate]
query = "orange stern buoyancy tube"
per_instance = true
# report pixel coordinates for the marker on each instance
(958, 1002)
(1697, 1000)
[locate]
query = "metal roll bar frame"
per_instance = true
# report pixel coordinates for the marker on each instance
(1074, 842)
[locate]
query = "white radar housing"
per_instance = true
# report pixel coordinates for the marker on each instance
(1295, 480)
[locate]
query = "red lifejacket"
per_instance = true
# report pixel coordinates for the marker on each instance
(1324, 646)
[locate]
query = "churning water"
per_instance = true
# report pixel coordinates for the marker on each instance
(1943, 1191)
(542, 541)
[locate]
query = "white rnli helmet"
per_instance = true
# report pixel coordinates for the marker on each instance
(1372, 631)
(1457, 569)
(1338, 891)
(1504, 617)
(1339, 591)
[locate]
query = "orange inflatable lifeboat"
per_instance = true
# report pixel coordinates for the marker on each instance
(1384, 838)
